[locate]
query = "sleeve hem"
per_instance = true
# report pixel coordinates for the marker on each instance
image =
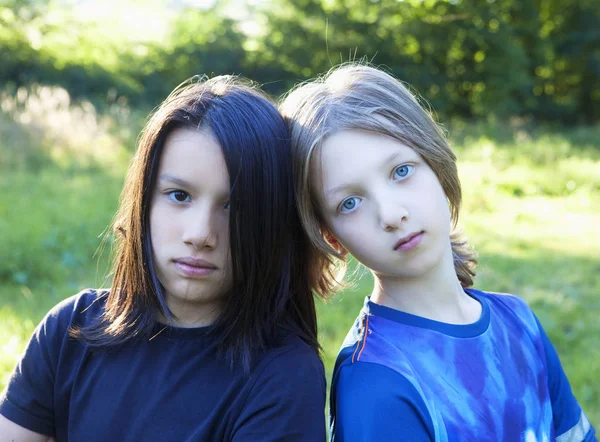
(581, 431)
(15, 414)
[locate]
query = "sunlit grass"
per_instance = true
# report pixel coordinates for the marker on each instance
(61, 170)
(20, 311)
(531, 209)
(40, 125)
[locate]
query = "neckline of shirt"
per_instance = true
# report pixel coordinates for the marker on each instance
(457, 330)
(161, 330)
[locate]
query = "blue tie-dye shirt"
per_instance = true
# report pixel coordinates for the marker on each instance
(403, 377)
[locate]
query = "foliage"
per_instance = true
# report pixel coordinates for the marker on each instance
(468, 58)
(202, 42)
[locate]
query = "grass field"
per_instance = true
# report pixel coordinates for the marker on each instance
(531, 209)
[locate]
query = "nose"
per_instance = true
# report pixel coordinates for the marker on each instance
(392, 211)
(200, 229)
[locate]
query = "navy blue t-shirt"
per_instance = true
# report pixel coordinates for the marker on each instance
(170, 388)
(403, 377)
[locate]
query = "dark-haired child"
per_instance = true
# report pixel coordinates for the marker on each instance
(209, 331)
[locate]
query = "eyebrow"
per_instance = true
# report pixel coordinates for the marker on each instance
(168, 178)
(393, 157)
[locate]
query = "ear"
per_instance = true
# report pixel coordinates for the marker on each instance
(333, 242)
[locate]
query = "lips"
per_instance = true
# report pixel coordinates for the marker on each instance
(409, 242)
(196, 262)
(194, 267)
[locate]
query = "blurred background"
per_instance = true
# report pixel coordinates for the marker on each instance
(515, 82)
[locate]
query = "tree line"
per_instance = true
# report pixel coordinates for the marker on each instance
(469, 59)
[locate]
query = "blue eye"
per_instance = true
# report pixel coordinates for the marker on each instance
(227, 205)
(403, 171)
(349, 204)
(178, 196)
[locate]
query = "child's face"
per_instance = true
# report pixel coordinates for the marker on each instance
(189, 218)
(383, 204)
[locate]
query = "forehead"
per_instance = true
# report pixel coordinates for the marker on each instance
(351, 155)
(193, 155)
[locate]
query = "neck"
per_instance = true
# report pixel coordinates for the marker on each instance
(436, 295)
(186, 316)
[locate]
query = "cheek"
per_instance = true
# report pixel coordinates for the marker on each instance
(439, 216)
(350, 233)
(444, 209)
(439, 206)
(162, 225)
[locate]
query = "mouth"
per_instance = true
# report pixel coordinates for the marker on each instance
(409, 242)
(194, 267)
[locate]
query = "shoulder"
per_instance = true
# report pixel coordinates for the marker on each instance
(81, 308)
(47, 363)
(76, 311)
(370, 399)
(290, 373)
(79, 311)
(375, 380)
(497, 299)
(354, 341)
(292, 356)
(285, 396)
(509, 309)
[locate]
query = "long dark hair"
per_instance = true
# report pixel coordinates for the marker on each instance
(273, 276)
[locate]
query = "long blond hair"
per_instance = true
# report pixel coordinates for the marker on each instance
(357, 96)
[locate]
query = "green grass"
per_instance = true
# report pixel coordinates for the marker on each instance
(531, 208)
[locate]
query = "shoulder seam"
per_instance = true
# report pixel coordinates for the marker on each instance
(361, 343)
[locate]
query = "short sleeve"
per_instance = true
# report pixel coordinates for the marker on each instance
(287, 401)
(373, 402)
(29, 396)
(570, 422)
